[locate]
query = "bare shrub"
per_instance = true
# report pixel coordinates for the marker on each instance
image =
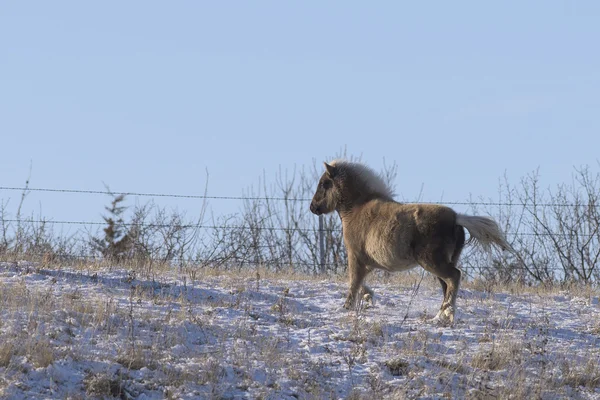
(555, 232)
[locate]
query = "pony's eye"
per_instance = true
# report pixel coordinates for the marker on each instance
(326, 184)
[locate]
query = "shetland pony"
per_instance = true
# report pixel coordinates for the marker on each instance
(380, 233)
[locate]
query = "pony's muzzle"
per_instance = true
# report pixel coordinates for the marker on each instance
(314, 209)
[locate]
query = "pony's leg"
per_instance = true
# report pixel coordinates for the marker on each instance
(451, 277)
(445, 294)
(366, 292)
(459, 236)
(368, 295)
(357, 273)
(447, 273)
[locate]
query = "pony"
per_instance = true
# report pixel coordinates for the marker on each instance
(381, 233)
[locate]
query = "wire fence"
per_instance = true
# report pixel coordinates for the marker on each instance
(318, 232)
(266, 198)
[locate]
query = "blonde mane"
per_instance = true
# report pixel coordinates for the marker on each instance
(369, 178)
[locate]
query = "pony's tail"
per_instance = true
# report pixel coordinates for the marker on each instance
(484, 231)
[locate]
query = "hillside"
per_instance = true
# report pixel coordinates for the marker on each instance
(91, 331)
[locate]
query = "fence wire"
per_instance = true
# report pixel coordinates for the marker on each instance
(237, 262)
(290, 199)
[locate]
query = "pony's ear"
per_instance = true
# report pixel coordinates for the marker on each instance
(331, 170)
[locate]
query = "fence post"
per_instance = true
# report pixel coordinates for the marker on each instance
(322, 244)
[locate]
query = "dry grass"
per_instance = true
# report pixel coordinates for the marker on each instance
(104, 385)
(40, 352)
(254, 274)
(397, 366)
(7, 350)
(577, 375)
(184, 340)
(587, 290)
(501, 355)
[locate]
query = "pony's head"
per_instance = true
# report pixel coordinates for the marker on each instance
(327, 195)
(344, 184)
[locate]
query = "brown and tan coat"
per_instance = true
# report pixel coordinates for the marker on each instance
(380, 233)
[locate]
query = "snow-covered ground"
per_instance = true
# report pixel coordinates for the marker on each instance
(74, 334)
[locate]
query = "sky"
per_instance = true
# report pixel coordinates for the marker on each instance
(147, 96)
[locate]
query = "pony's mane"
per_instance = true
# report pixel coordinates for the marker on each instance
(369, 178)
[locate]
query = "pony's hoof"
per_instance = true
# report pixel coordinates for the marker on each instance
(442, 322)
(445, 318)
(368, 300)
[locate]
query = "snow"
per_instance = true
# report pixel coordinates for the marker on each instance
(73, 334)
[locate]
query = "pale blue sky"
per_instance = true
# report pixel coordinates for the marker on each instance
(146, 95)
